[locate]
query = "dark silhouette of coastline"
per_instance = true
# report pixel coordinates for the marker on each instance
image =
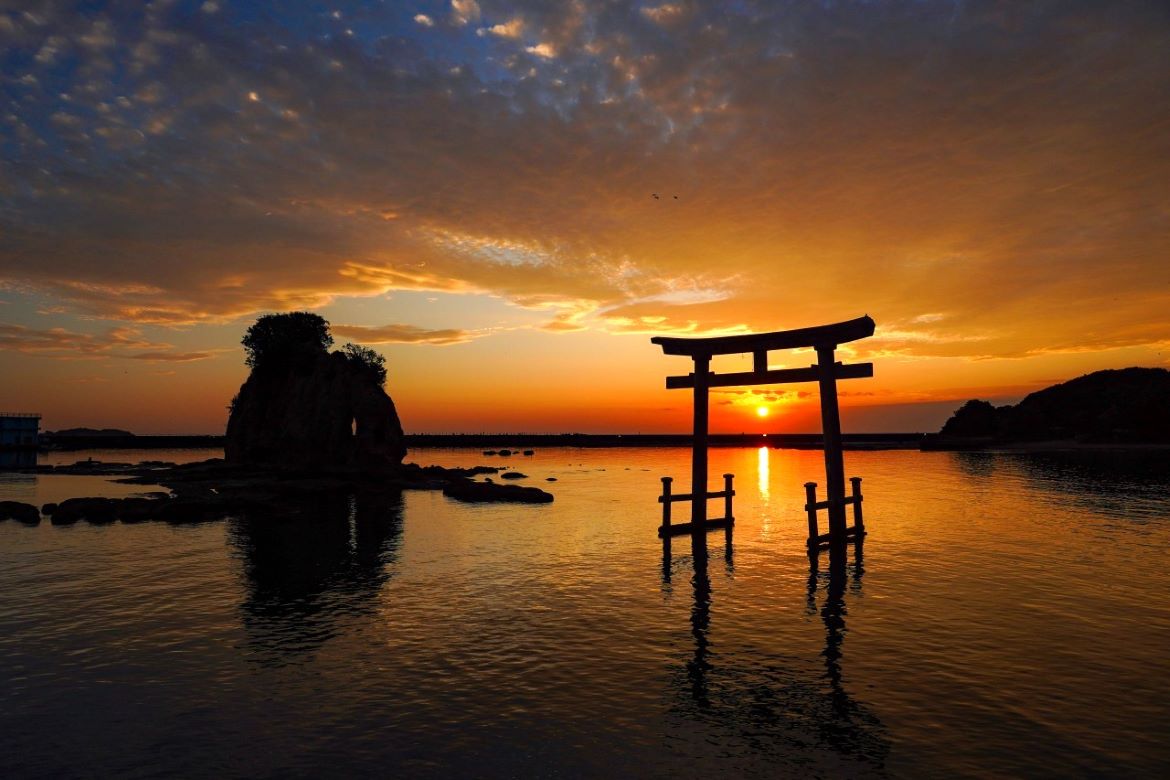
(70, 442)
(1129, 406)
(496, 441)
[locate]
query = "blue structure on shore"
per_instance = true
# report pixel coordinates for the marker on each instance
(19, 430)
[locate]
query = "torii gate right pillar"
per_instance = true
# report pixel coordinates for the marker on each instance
(699, 461)
(831, 434)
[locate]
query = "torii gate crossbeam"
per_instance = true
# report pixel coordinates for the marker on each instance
(824, 339)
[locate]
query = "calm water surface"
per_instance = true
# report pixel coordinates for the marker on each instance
(1010, 617)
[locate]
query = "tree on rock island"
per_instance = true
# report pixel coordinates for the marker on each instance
(304, 407)
(277, 341)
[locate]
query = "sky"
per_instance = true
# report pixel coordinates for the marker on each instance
(508, 199)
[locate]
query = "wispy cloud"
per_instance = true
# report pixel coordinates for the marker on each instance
(403, 334)
(170, 357)
(63, 344)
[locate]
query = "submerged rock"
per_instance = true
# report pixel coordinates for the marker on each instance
(20, 512)
(513, 475)
(139, 509)
(466, 490)
(93, 510)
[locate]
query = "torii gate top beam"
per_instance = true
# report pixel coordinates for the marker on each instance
(820, 336)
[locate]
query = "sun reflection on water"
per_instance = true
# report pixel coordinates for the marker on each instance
(763, 472)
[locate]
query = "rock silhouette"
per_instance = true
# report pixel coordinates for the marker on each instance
(20, 512)
(327, 414)
(303, 407)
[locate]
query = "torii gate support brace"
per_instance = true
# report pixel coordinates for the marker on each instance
(824, 339)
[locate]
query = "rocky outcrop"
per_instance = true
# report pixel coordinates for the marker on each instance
(327, 413)
(1129, 405)
(974, 418)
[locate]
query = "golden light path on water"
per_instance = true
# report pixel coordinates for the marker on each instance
(763, 478)
(763, 473)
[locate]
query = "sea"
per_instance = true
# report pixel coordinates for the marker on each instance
(1008, 615)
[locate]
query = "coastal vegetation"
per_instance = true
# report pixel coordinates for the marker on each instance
(1123, 406)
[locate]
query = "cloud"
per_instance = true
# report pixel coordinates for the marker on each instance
(1002, 167)
(665, 14)
(63, 344)
(424, 20)
(513, 29)
(170, 357)
(403, 334)
(57, 341)
(545, 50)
(464, 11)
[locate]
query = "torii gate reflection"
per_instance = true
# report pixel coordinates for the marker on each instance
(824, 339)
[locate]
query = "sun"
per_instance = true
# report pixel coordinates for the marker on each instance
(762, 411)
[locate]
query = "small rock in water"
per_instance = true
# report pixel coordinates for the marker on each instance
(489, 452)
(466, 490)
(20, 512)
(471, 472)
(550, 479)
(513, 475)
(505, 452)
(49, 508)
(529, 452)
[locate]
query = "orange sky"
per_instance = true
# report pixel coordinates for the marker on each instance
(468, 188)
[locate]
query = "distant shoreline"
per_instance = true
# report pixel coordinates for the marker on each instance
(497, 441)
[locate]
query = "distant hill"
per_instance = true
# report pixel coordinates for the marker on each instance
(89, 433)
(1123, 405)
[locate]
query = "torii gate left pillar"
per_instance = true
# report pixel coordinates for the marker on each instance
(824, 340)
(699, 458)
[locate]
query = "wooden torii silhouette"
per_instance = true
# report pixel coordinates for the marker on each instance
(824, 339)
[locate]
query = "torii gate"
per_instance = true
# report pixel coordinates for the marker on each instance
(824, 339)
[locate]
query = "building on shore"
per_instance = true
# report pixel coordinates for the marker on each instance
(19, 430)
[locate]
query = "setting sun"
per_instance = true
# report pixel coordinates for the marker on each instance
(762, 411)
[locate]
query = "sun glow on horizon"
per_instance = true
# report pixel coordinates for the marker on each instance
(761, 411)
